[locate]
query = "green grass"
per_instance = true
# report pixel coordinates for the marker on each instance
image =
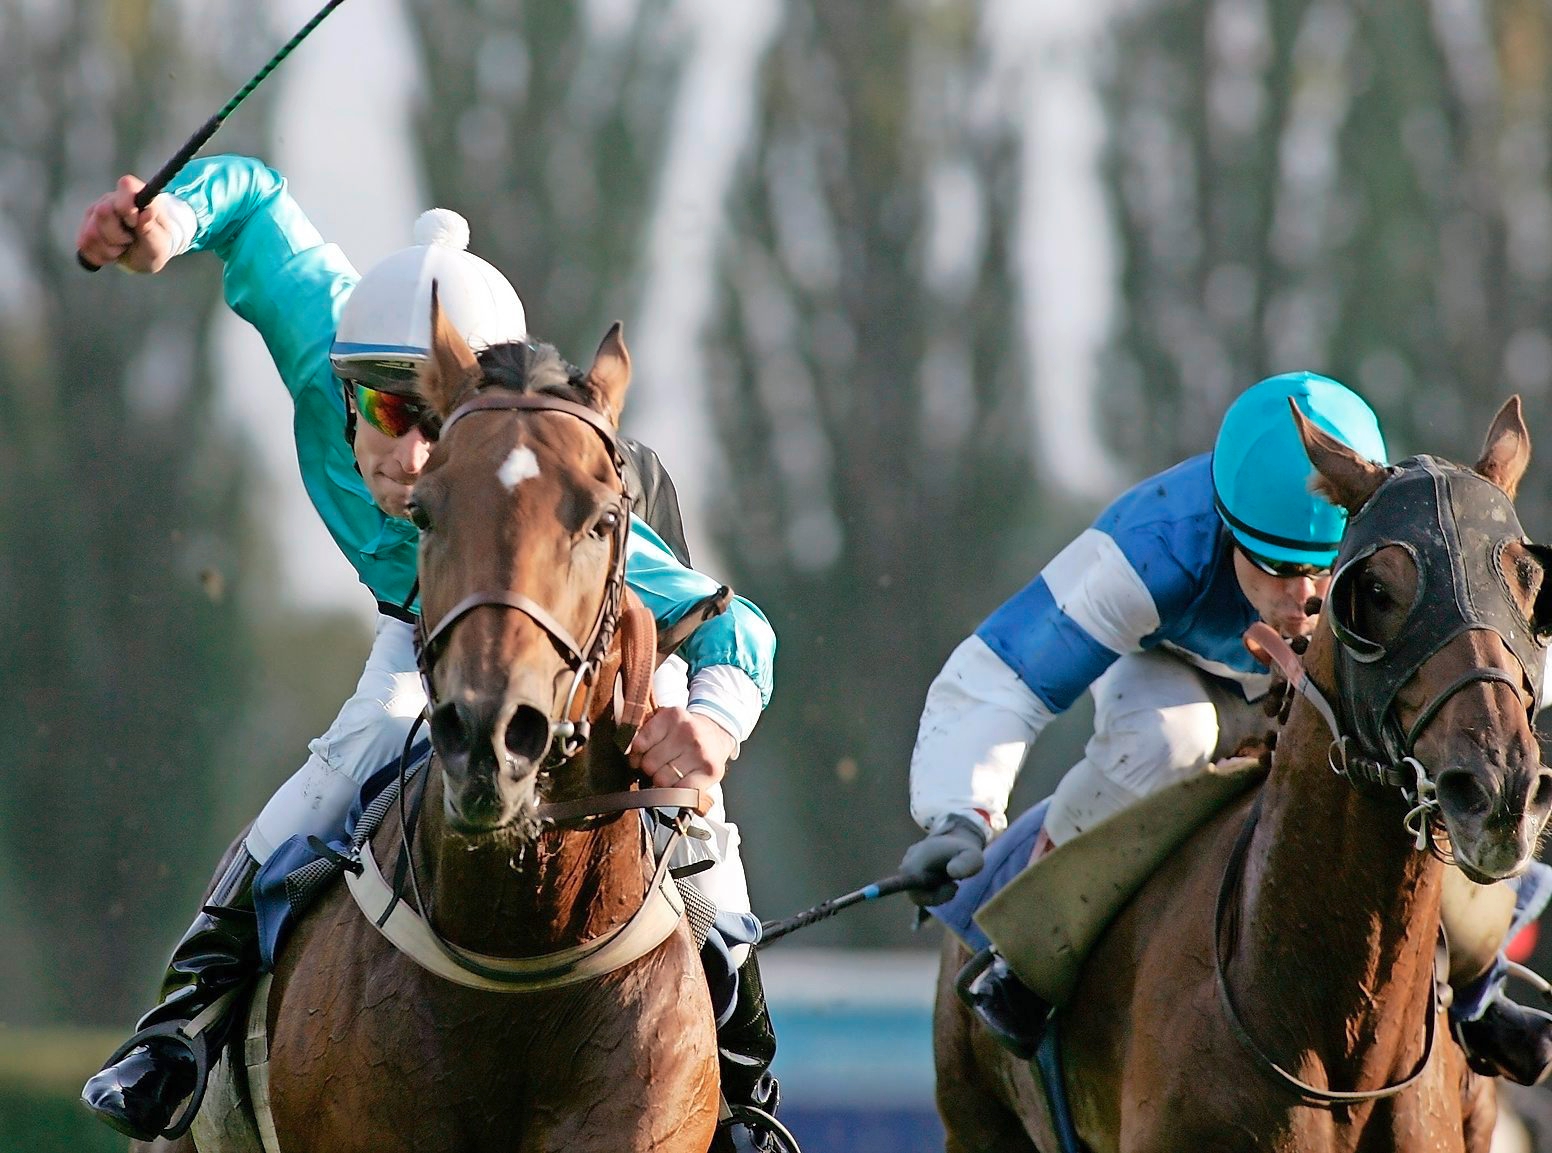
(52, 1123)
(41, 1072)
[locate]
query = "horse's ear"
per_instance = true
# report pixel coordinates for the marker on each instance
(452, 372)
(610, 374)
(1346, 479)
(1506, 452)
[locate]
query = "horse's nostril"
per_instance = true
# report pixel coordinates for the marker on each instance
(1463, 793)
(1541, 793)
(449, 730)
(528, 734)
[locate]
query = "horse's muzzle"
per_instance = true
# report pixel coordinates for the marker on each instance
(489, 756)
(1495, 817)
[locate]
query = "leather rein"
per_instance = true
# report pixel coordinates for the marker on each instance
(662, 909)
(1262, 636)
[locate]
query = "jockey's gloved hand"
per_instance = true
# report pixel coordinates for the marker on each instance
(946, 856)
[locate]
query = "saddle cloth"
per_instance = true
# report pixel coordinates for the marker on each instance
(1044, 918)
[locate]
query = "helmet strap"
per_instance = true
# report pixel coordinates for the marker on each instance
(350, 426)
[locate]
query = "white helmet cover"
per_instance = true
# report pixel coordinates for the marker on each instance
(385, 329)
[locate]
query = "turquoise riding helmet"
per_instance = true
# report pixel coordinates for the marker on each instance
(1261, 474)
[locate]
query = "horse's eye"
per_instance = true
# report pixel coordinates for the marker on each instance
(608, 522)
(1378, 595)
(419, 517)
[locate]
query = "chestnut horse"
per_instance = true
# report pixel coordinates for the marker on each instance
(521, 851)
(1272, 986)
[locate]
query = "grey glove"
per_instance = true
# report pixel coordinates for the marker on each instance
(945, 858)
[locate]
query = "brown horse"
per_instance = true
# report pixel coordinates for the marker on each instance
(1304, 937)
(521, 852)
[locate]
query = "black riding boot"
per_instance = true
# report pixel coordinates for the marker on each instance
(746, 1045)
(139, 1093)
(1012, 1012)
(1508, 1041)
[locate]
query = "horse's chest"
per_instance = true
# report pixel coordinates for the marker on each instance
(368, 1051)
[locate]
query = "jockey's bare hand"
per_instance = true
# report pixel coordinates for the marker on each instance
(114, 231)
(676, 748)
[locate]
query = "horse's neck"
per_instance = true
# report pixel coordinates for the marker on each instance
(517, 898)
(1338, 917)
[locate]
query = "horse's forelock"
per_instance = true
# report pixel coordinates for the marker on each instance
(529, 366)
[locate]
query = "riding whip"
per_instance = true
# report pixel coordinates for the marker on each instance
(194, 143)
(895, 883)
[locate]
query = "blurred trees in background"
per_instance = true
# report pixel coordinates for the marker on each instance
(543, 124)
(126, 653)
(1359, 189)
(154, 694)
(871, 393)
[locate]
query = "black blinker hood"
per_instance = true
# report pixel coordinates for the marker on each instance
(1455, 523)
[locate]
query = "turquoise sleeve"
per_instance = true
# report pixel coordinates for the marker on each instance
(279, 274)
(740, 637)
(282, 278)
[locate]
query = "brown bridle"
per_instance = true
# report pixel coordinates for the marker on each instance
(645, 928)
(571, 729)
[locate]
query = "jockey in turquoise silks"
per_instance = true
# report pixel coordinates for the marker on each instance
(347, 348)
(1146, 610)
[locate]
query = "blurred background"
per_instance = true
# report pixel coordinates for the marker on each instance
(912, 290)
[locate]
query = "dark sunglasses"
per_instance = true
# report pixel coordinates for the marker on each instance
(392, 414)
(1283, 569)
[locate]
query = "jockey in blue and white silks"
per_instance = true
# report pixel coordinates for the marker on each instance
(1154, 577)
(346, 348)
(1146, 610)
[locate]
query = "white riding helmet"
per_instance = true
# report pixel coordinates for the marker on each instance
(385, 330)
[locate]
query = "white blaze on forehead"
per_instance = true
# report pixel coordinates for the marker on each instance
(518, 467)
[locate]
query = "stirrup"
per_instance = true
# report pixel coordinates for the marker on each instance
(198, 1047)
(757, 1120)
(973, 968)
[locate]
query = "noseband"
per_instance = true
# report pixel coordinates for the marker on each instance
(571, 729)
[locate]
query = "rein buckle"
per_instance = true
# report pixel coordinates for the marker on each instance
(1336, 757)
(1425, 796)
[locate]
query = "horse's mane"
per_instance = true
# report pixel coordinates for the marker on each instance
(532, 366)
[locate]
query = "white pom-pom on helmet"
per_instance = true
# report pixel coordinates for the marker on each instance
(385, 330)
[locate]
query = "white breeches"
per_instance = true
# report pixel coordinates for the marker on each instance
(1157, 720)
(369, 733)
(724, 884)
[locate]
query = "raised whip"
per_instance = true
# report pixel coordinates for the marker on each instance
(194, 143)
